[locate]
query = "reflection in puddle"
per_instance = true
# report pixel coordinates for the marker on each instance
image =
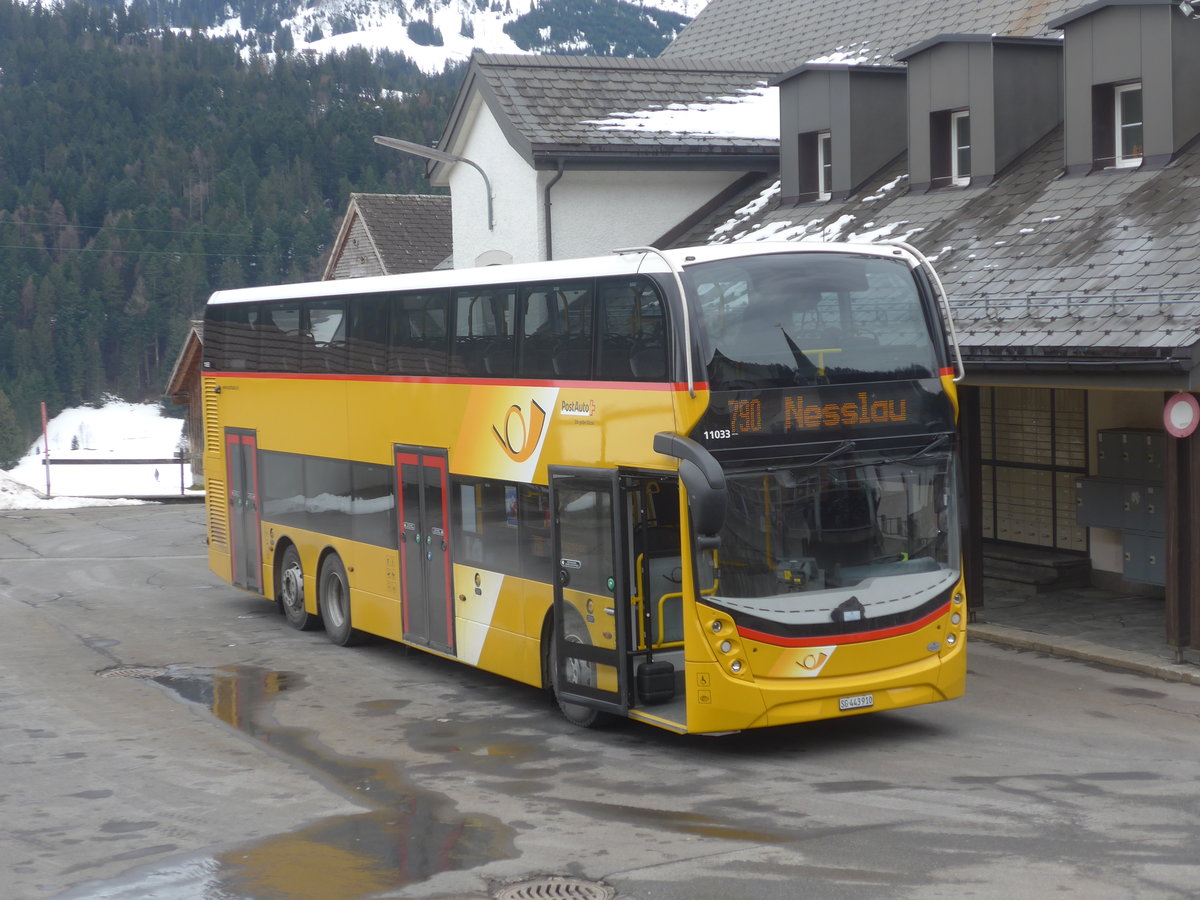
(410, 836)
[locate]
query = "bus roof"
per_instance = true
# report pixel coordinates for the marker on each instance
(625, 263)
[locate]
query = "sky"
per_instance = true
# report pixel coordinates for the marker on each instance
(115, 431)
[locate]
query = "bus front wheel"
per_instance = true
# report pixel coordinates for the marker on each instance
(290, 591)
(333, 601)
(575, 713)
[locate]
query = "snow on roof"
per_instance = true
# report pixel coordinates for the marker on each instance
(854, 54)
(750, 113)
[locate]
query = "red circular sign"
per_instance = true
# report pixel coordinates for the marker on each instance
(1181, 415)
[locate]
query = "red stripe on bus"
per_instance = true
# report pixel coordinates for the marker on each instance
(438, 379)
(839, 639)
(947, 370)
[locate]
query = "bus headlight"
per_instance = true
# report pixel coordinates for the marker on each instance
(952, 638)
(735, 666)
(726, 646)
(955, 619)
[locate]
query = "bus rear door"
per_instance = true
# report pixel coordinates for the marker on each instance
(245, 531)
(425, 582)
(591, 602)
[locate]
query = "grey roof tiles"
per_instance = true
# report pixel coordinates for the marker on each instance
(1106, 263)
(556, 102)
(798, 31)
(411, 232)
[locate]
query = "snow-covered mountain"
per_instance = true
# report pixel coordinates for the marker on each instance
(432, 33)
(463, 25)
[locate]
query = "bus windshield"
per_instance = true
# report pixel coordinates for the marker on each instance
(799, 543)
(787, 319)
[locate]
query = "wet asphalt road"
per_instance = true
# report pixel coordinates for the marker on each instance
(164, 735)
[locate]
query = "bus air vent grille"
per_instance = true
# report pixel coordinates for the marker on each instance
(212, 424)
(218, 512)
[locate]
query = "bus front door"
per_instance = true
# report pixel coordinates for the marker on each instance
(245, 532)
(591, 598)
(425, 583)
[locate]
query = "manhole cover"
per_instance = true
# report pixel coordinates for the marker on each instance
(557, 889)
(132, 672)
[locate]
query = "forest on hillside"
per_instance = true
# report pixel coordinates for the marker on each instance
(140, 171)
(601, 27)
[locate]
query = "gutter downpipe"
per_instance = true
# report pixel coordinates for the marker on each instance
(562, 165)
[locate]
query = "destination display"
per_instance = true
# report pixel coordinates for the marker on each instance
(750, 420)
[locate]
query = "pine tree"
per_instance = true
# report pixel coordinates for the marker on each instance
(12, 442)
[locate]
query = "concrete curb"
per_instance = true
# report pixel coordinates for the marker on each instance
(1085, 651)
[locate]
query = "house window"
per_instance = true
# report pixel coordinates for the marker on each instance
(824, 165)
(1033, 449)
(1127, 110)
(960, 147)
(815, 161)
(950, 147)
(1117, 129)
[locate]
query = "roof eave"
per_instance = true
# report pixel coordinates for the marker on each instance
(548, 156)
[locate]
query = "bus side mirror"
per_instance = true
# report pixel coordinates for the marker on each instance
(705, 482)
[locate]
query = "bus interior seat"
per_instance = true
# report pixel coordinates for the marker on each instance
(573, 358)
(537, 359)
(649, 362)
(471, 354)
(615, 353)
(498, 360)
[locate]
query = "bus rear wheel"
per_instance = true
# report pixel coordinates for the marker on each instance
(333, 601)
(290, 591)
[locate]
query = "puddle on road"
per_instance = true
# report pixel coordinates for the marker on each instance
(410, 835)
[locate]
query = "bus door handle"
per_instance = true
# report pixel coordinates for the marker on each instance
(564, 577)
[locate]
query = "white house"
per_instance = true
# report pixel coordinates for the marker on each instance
(574, 146)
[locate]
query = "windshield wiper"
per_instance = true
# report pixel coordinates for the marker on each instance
(924, 451)
(843, 447)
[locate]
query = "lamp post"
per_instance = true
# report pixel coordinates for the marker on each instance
(439, 156)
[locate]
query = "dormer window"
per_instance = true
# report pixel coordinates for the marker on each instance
(960, 149)
(824, 165)
(1128, 124)
(950, 147)
(1117, 131)
(840, 125)
(815, 157)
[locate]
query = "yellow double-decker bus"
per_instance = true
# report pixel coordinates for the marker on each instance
(709, 489)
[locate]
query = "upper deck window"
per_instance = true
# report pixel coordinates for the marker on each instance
(791, 319)
(612, 328)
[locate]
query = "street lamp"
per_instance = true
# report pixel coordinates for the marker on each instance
(439, 156)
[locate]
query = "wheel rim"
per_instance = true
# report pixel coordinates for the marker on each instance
(293, 589)
(335, 600)
(576, 670)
